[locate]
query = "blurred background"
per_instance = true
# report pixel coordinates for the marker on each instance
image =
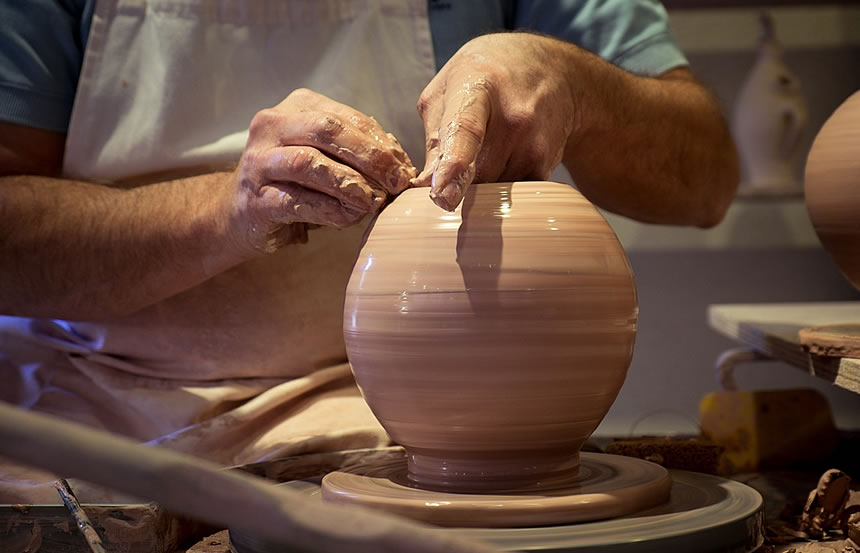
(764, 251)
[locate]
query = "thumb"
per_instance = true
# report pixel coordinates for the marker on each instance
(430, 108)
(462, 131)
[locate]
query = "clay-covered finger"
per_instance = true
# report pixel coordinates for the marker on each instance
(365, 123)
(430, 108)
(370, 126)
(293, 203)
(309, 100)
(305, 100)
(463, 127)
(331, 133)
(311, 169)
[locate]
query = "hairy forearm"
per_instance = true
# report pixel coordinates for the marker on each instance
(82, 251)
(654, 149)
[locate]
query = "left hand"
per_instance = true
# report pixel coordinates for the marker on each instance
(501, 109)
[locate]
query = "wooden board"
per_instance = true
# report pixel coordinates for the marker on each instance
(773, 329)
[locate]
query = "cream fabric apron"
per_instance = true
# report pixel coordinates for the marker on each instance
(249, 365)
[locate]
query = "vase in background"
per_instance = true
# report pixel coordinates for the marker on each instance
(769, 119)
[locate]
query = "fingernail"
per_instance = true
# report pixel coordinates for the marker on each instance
(447, 190)
(449, 197)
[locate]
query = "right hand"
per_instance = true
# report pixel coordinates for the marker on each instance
(313, 160)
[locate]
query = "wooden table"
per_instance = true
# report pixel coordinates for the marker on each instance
(770, 331)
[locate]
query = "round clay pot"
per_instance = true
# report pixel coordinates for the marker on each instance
(491, 341)
(832, 187)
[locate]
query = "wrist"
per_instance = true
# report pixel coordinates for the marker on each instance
(251, 233)
(581, 82)
(595, 85)
(244, 230)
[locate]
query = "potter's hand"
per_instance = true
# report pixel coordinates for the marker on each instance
(499, 110)
(312, 160)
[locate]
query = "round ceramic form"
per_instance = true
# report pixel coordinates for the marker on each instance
(491, 341)
(607, 486)
(832, 187)
(705, 514)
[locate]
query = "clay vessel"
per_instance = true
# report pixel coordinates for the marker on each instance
(491, 341)
(832, 187)
(769, 119)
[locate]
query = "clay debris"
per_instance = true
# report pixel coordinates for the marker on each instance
(825, 508)
(830, 519)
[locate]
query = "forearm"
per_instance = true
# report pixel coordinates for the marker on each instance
(654, 149)
(81, 251)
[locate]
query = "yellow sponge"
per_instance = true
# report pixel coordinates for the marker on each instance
(768, 429)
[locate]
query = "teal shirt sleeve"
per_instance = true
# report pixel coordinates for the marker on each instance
(41, 50)
(632, 34)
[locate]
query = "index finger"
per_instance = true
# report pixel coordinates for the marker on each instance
(461, 135)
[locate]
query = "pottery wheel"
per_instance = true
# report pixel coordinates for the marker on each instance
(607, 486)
(705, 514)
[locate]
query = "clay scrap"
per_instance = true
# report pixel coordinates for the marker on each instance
(829, 521)
(825, 509)
(842, 340)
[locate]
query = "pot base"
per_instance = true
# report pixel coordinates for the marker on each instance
(497, 474)
(607, 486)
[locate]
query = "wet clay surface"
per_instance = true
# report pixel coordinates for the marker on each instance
(491, 338)
(607, 486)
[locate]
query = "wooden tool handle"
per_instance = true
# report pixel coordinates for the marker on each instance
(200, 490)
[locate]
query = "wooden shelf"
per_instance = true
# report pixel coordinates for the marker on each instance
(771, 329)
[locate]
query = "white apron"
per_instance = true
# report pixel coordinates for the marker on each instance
(249, 365)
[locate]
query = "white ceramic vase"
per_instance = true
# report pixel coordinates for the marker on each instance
(769, 119)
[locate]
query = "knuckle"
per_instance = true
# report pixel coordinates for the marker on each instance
(326, 129)
(297, 161)
(424, 103)
(379, 158)
(262, 121)
(300, 94)
(471, 127)
(484, 85)
(456, 165)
